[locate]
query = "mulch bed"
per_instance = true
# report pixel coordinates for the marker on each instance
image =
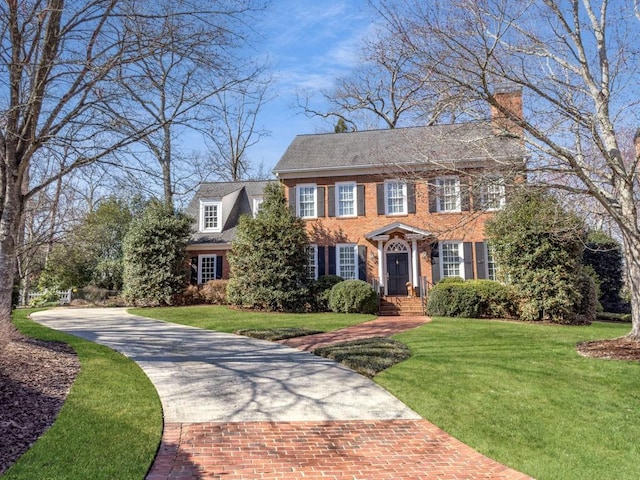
(35, 379)
(621, 348)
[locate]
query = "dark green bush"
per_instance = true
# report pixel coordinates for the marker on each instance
(473, 299)
(353, 296)
(320, 290)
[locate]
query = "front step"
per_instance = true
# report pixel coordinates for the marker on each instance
(404, 306)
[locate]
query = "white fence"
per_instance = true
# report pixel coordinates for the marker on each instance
(63, 295)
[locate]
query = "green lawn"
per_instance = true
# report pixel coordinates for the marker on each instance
(109, 427)
(520, 394)
(224, 319)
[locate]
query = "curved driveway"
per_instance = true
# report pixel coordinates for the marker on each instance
(244, 409)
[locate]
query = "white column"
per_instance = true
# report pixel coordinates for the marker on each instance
(381, 265)
(414, 261)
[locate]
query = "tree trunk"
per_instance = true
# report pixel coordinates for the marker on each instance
(631, 248)
(9, 220)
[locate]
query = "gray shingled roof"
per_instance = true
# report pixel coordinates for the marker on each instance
(438, 144)
(236, 200)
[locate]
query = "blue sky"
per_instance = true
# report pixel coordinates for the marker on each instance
(310, 44)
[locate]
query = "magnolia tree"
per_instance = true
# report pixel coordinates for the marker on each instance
(577, 65)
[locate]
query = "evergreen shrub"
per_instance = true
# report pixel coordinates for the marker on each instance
(353, 296)
(320, 291)
(214, 292)
(472, 299)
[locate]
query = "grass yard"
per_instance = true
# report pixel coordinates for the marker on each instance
(224, 319)
(520, 394)
(109, 427)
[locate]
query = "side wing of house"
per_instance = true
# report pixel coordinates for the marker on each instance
(216, 209)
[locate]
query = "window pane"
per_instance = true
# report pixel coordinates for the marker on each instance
(346, 200)
(491, 264)
(207, 268)
(493, 195)
(210, 217)
(449, 194)
(451, 260)
(307, 201)
(396, 197)
(347, 262)
(311, 262)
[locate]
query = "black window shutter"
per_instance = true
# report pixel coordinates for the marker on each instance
(292, 200)
(332, 260)
(467, 248)
(322, 266)
(433, 197)
(360, 195)
(481, 268)
(194, 271)
(219, 260)
(331, 201)
(435, 262)
(362, 262)
(380, 198)
(320, 197)
(464, 195)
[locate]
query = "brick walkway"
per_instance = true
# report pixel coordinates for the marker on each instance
(380, 327)
(329, 450)
(366, 450)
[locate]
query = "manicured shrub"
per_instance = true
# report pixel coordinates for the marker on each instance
(472, 299)
(453, 299)
(320, 291)
(269, 258)
(353, 296)
(214, 292)
(155, 249)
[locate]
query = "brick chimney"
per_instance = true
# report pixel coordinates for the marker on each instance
(510, 98)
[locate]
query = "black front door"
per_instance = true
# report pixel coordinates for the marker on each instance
(397, 273)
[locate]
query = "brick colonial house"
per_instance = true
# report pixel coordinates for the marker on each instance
(397, 208)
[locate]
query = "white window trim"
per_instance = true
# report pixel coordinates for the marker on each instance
(405, 206)
(315, 261)
(354, 246)
(355, 199)
(483, 195)
(315, 199)
(460, 254)
(203, 204)
(439, 195)
(256, 204)
(215, 266)
(486, 263)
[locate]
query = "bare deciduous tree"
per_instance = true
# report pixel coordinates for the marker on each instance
(577, 65)
(385, 88)
(236, 130)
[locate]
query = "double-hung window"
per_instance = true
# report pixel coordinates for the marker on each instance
(346, 199)
(452, 259)
(307, 201)
(210, 216)
(492, 195)
(347, 261)
(206, 268)
(312, 262)
(491, 263)
(395, 197)
(448, 194)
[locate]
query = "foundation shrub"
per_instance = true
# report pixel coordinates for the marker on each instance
(320, 291)
(214, 292)
(472, 299)
(353, 296)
